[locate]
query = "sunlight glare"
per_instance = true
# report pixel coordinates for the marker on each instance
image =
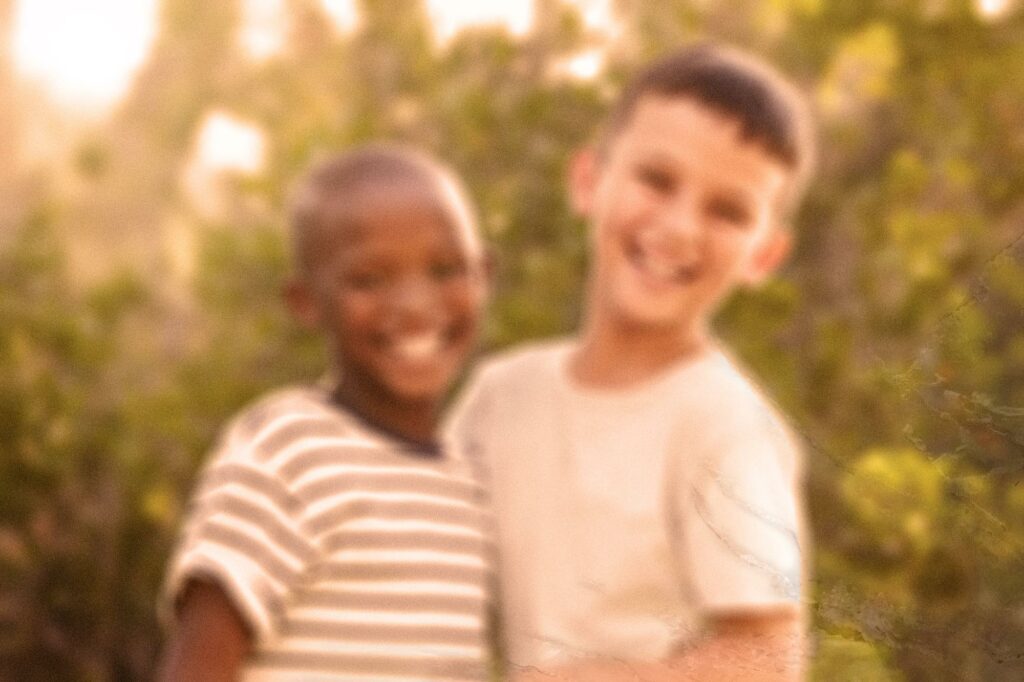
(264, 30)
(262, 33)
(226, 143)
(451, 16)
(586, 65)
(343, 13)
(993, 8)
(85, 52)
(597, 15)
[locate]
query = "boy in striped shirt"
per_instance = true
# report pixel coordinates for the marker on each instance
(330, 538)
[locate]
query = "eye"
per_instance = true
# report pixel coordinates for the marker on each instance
(732, 212)
(448, 268)
(363, 280)
(657, 179)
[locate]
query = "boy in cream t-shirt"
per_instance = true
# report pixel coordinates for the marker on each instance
(647, 496)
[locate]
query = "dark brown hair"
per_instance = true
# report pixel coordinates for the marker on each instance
(771, 112)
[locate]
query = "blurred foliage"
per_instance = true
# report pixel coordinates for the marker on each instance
(132, 323)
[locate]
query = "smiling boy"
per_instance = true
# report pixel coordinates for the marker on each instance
(330, 537)
(648, 497)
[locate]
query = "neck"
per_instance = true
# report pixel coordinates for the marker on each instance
(414, 421)
(619, 356)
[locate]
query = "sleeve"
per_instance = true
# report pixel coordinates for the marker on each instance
(740, 517)
(242, 532)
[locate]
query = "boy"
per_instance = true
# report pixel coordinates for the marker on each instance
(330, 538)
(647, 497)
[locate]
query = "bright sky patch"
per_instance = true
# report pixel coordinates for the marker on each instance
(86, 51)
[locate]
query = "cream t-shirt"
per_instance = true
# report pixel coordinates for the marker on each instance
(624, 516)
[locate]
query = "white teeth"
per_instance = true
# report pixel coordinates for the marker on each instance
(662, 268)
(419, 346)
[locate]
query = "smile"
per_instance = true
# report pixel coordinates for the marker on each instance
(418, 347)
(660, 268)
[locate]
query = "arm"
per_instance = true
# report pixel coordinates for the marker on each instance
(209, 640)
(741, 546)
(752, 647)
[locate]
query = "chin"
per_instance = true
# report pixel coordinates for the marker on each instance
(642, 312)
(425, 392)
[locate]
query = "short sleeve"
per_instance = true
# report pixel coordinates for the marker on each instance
(740, 518)
(241, 533)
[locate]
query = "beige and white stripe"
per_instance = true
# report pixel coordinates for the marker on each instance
(351, 557)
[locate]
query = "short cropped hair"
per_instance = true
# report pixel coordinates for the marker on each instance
(337, 182)
(769, 109)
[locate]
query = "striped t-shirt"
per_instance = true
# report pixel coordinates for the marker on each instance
(350, 555)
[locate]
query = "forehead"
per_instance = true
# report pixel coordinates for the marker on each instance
(399, 217)
(682, 132)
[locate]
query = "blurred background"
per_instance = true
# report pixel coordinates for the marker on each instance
(145, 150)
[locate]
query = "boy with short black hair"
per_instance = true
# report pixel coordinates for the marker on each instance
(647, 496)
(330, 537)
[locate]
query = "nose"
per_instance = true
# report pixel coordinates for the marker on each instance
(414, 295)
(677, 226)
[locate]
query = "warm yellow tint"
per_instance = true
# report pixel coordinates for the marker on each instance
(598, 15)
(265, 25)
(86, 52)
(862, 71)
(450, 16)
(993, 8)
(344, 14)
(263, 30)
(225, 144)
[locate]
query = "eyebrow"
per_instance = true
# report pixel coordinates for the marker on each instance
(658, 157)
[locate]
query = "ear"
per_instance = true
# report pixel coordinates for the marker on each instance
(584, 172)
(302, 303)
(768, 255)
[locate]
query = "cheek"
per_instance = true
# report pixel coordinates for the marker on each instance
(352, 311)
(727, 243)
(466, 301)
(604, 240)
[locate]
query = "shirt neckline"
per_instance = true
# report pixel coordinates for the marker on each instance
(400, 442)
(640, 392)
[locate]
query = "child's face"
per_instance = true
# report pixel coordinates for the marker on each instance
(681, 210)
(400, 293)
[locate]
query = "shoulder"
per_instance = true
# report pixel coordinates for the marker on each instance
(504, 388)
(287, 401)
(736, 417)
(275, 445)
(522, 363)
(264, 432)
